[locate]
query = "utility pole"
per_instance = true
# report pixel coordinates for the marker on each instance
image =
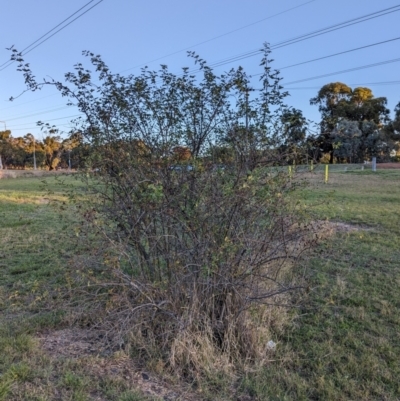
(34, 153)
(5, 129)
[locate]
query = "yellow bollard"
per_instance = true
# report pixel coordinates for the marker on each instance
(311, 166)
(326, 173)
(290, 172)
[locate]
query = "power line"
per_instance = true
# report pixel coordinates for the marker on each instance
(9, 62)
(335, 54)
(340, 25)
(39, 112)
(307, 36)
(53, 119)
(298, 88)
(306, 79)
(353, 84)
(344, 71)
(51, 30)
(304, 37)
(219, 36)
(65, 26)
(33, 128)
(287, 42)
(30, 101)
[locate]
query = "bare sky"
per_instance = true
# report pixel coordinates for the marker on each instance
(130, 33)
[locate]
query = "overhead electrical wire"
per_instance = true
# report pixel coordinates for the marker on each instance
(303, 37)
(38, 112)
(29, 101)
(53, 119)
(340, 25)
(289, 83)
(291, 41)
(286, 42)
(344, 71)
(219, 36)
(352, 84)
(253, 75)
(79, 16)
(51, 30)
(24, 52)
(334, 54)
(283, 84)
(33, 128)
(296, 88)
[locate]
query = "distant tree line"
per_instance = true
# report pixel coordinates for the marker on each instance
(50, 153)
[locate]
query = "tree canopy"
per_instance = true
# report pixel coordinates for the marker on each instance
(354, 125)
(49, 153)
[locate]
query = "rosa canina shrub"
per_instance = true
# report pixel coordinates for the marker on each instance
(194, 251)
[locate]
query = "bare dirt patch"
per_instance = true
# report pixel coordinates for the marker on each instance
(326, 229)
(338, 226)
(72, 343)
(93, 351)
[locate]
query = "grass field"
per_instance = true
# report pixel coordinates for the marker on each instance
(34, 249)
(343, 343)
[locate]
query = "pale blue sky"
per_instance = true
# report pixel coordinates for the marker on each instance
(129, 33)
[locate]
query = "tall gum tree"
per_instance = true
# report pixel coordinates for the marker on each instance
(338, 102)
(330, 99)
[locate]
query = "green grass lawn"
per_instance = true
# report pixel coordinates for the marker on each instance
(35, 247)
(343, 343)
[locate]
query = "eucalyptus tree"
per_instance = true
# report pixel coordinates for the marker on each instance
(340, 106)
(346, 140)
(330, 100)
